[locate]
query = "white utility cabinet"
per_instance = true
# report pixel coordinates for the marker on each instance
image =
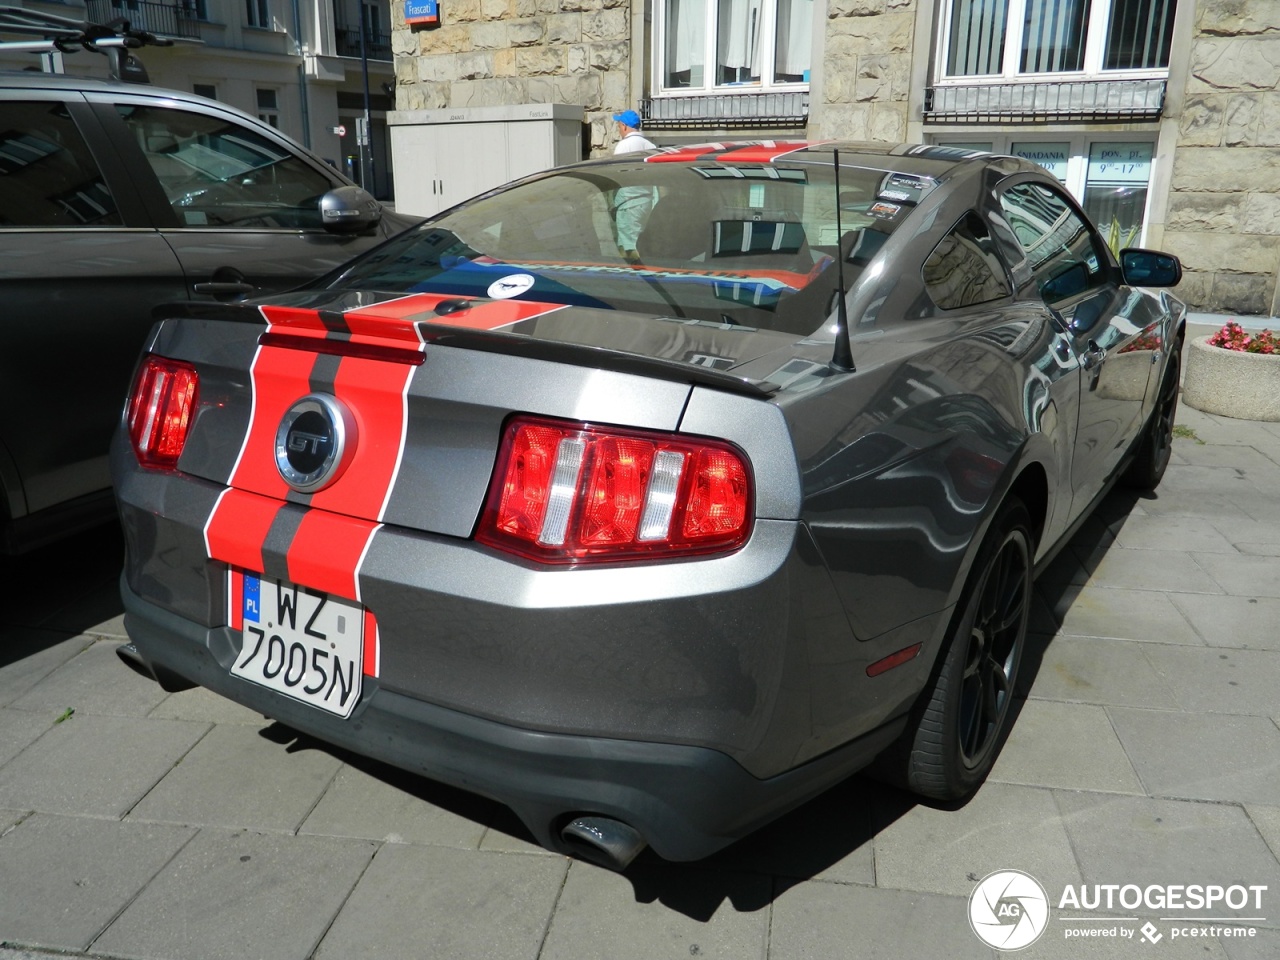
(442, 157)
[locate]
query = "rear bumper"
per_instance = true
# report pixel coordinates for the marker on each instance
(686, 801)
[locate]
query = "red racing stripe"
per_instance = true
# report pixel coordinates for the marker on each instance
(686, 154)
(325, 554)
(374, 391)
(238, 527)
(765, 152)
(279, 377)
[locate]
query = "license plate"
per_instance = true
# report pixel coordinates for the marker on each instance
(302, 643)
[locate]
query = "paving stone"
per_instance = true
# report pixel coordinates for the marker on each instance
(829, 920)
(659, 911)
(95, 766)
(1055, 945)
(1065, 745)
(506, 834)
(1091, 670)
(27, 656)
(947, 850)
(9, 817)
(1264, 946)
(398, 808)
(1240, 622)
(1098, 611)
(239, 776)
(63, 879)
(1242, 576)
(98, 613)
(205, 706)
(95, 682)
(1173, 533)
(829, 838)
(1202, 756)
(18, 730)
(1197, 480)
(1267, 820)
(231, 895)
(1164, 570)
(1145, 841)
(1172, 502)
(1217, 680)
(441, 902)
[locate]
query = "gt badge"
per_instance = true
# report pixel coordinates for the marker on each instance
(314, 442)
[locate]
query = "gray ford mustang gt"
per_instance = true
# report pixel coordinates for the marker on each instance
(652, 535)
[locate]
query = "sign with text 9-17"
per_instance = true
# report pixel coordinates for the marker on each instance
(421, 11)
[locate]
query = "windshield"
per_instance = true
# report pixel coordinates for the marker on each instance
(746, 244)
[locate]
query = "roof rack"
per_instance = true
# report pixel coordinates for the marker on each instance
(56, 35)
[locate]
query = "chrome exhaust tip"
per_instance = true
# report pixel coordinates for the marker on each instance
(603, 840)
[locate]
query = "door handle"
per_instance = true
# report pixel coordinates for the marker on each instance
(223, 289)
(1093, 356)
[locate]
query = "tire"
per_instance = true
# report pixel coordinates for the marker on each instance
(966, 715)
(1156, 445)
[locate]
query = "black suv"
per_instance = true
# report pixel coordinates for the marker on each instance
(115, 198)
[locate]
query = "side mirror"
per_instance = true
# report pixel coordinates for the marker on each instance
(1149, 268)
(349, 210)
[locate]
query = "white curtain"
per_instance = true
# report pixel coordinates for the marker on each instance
(686, 30)
(739, 35)
(795, 36)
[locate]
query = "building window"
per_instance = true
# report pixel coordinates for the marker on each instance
(1110, 178)
(268, 109)
(205, 90)
(1021, 38)
(257, 13)
(729, 45)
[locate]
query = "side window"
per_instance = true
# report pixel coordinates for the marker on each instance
(963, 268)
(1064, 254)
(217, 173)
(48, 178)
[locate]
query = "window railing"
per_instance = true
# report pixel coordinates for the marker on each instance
(736, 110)
(1118, 100)
(179, 19)
(378, 45)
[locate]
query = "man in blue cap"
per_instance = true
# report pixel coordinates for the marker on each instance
(631, 205)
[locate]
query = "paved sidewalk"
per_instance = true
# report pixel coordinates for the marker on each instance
(1146, 751)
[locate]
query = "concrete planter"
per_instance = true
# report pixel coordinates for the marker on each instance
(1230, 383)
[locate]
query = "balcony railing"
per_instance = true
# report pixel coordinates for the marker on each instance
(730, 110)
(179, 19)
(1117, 100)
(378, 45)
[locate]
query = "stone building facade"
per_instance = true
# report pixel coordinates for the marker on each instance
(1169, 137)
(1224, 198)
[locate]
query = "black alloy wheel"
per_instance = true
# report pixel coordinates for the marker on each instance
(968, 711)
(1155, 447)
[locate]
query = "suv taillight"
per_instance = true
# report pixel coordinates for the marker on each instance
(160, 409)
(571, 493)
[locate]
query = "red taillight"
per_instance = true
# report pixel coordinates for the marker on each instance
(160, 409)
(566, 493)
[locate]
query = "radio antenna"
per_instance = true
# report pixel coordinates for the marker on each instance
(842, 355)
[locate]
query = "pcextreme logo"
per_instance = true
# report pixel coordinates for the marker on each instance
(1010, 910)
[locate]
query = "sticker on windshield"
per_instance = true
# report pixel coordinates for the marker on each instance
(511, 286)
(885, 211)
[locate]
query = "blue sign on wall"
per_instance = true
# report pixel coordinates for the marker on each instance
(421, 11)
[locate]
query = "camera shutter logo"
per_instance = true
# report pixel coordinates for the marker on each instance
(1008, 910)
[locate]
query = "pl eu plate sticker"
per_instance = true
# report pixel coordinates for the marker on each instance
(511, 286)
(252, 587)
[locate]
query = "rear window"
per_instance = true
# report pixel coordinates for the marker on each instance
(747, 244)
